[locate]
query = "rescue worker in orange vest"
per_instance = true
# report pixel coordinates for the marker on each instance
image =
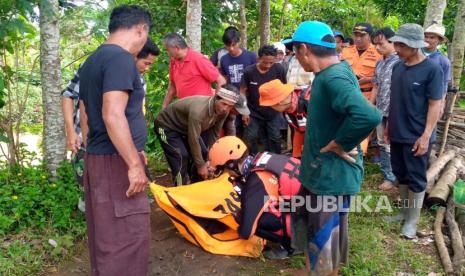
(362, 57)
(263, 182)
(293, 102)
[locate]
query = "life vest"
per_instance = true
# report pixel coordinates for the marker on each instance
(286, 168)
(273, 180)
(205, 213)
(363, 65)
(298, 119)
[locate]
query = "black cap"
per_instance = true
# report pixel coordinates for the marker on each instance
(364, 28)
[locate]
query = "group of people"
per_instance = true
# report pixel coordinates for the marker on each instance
(332, 96)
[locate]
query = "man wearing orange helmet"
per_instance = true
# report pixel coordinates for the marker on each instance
(293, 103)
(263, 182)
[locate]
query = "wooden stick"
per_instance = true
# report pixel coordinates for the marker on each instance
(446, 126)
(452, 123)
(458, 260)
(440, 244)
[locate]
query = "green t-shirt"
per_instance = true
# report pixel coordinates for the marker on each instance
(337, 111)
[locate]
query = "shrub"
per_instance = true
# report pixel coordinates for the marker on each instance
(30, 199)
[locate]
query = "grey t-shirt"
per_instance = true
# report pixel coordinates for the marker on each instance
(411, 89)
(111, 68)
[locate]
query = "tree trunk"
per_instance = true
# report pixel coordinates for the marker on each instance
(458, 43)
(457, 66)
(243, 27)
(50, 71)
(434, 12)
(194, 24)
(281, 20)
(264, 22)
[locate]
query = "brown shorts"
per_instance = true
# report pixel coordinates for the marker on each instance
(118, 227)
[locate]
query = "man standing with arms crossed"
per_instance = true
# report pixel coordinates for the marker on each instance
(111, 97)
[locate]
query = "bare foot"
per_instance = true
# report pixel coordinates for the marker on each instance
(386, 185)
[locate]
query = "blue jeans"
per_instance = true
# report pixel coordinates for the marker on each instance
(267, 130)
(385, 153)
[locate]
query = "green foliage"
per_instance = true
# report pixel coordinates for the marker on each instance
(461, 103)
(414, 12)
(13, 25)
(30, 200)
(33, 210)
(409, 11)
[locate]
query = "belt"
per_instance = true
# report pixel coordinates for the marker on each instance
(365, 89)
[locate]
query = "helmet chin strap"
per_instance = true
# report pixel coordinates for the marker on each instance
(246, 166)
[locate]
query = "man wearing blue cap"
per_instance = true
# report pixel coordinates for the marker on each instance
(339, 118)
(339, 41)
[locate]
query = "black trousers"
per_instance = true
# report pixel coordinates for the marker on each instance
(178, 154)
(409, 169)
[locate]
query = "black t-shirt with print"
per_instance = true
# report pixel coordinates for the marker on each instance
(252, 79)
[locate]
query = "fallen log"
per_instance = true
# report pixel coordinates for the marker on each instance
(432, 158)
(440, 192)
(440, 244)
(458, 259)
(436, 167)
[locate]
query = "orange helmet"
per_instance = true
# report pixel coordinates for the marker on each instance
(226, 149)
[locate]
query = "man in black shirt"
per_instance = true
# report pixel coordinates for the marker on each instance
(263, 121)
(111, 97)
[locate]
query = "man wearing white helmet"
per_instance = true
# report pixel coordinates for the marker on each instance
(435, 35)
(281, 51)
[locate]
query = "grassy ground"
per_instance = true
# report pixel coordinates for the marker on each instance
(30, 252)
(375, 246)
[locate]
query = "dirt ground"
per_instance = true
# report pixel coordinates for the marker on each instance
(171, 254)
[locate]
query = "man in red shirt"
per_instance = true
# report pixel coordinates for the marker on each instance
(191, 73)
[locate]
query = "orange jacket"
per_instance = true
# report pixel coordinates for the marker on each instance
(364, 65)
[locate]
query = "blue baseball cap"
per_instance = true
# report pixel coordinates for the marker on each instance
(338, 33)
(312, 32)
(286, 41)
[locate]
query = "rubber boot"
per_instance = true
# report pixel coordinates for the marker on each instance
(409, 229)
(403, 190)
